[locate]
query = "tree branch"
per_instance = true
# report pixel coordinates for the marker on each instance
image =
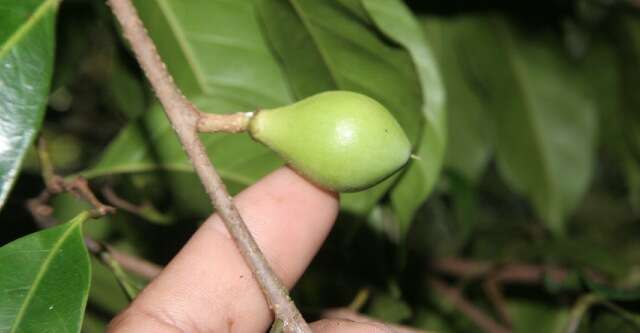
(184, 118)
(508, 273)
(452, 295)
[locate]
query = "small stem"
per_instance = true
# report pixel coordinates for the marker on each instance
(46, 165)
(360, 300)
(452, 295)
(227, 123)
(493, 289)
(184, 118)
(135, 264)
(102, 253)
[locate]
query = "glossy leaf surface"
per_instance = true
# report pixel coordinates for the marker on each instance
(219, 59)
(44, 280)
(222, 60)
(26, 57)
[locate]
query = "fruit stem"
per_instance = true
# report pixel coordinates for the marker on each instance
(226, 123)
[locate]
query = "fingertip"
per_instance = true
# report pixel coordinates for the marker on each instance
(289, 218)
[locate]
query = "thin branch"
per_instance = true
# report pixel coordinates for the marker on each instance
(46, 165)
(145, 210)
(349, 314)
(184, 118)
(493, 289)
(452, 295)
(228, 123)
(102, 253)
(508, 273)
(43, 215)
(135, 264)
(114, 199)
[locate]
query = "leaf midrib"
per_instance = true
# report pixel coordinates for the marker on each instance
(26, 27)
(45, 265)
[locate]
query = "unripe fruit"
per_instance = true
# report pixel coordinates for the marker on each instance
(340, 140)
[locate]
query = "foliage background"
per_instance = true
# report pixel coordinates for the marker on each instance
(536, 162)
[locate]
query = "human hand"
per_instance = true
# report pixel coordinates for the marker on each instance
(207, 287)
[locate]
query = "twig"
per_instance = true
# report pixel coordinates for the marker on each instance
(100, 251)
(111, 197)
(228, 123)
(184, 118)
(493, 289)
(509, 273)
(486, 323)
(38, 206)
(43, 215)
(349, 314)
(45, 164)
(360, 300)
(144, 210)
(135, 264)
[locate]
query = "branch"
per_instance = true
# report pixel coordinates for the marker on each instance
(508, 273)
(493, 290)
(184, 118)
(133, 264)
(43, 215)
(452, 295)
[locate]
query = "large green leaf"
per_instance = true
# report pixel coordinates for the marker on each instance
(545, 122)
(216, 53)
(26, 58)
(469, 130)
(44, 280)
(395, 20)
(328, 45)
(531, 316)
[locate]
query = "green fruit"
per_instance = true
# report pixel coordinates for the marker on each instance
(340, 140)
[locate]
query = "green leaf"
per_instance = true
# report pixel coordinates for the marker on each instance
(44, 280)
(395, 20)
(469, 141)
(545, 121)
(329, 45)
(530, 316)
(26, 60)
(216, 52)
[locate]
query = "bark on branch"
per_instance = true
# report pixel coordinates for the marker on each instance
(185, 118)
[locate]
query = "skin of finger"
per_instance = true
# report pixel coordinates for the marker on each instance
(207, 287)
(347, 326)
